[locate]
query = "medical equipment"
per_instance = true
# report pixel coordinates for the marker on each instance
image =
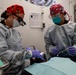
(65, 52)
(31, 46)
(41, 53)
(20, 20)
(3, 64)
(61, 52)
(19, 56)
(55, 66)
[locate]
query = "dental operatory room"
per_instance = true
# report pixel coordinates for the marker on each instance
(37, 37)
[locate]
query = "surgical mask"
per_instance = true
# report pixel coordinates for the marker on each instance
(20, 20)
(56, 19)
(15, 23)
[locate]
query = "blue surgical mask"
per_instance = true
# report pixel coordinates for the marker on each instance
(56, 19)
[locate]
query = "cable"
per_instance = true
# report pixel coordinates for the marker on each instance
(61, 52)
(34, 48)
(20, 55)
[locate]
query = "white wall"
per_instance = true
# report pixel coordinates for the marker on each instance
(30, 35)
(72, 3)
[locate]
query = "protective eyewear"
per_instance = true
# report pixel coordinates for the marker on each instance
(20, 20)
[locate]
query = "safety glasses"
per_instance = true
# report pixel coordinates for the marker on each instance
(56, 15)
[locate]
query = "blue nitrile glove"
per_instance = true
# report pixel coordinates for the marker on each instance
(71, 51)
(36, 53)
(55, 51)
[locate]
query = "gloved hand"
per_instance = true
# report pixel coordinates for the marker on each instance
(71, 51)
(55, 51)
(28, 48)
(36, 53)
